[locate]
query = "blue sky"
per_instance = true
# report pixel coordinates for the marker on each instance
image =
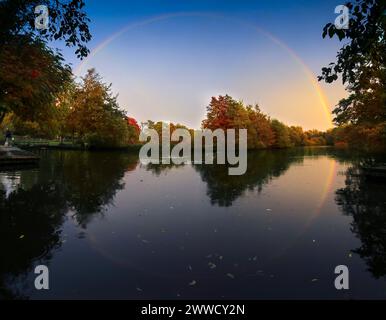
(169, 68)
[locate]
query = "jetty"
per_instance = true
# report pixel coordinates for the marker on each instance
(10, 156)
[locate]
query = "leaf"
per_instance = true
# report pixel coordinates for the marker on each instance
(331, 31)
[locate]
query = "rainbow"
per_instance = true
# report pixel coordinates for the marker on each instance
(306, 70)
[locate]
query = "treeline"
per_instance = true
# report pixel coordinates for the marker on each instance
(84, 113)
(87, 113)
(263, 132)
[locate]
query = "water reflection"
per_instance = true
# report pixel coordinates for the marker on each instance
(364, 200)
(30, 228)
(35, 203)
(168, 226)
(263, 166)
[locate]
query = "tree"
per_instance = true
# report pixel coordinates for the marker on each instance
(297, 136)
(361, 63)
(31, 76)
(134, 130)
(95, 117)
(224, 113)
(68, 22)
(260, 133)
(282, 137)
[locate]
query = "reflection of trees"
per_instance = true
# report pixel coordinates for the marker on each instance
(30, 224)
(364, 200)
(158, 169)
(32, 215)
(90, 179)
(263, 166)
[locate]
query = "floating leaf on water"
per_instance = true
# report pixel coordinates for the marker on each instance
(139, 289)
(230, 275)
(268, 210)
(190, 268)
(350, 255)
(21, 237)
(314, 280)
(211, 265)
(193, 283)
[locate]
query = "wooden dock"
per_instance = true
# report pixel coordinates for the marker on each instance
(10, 156)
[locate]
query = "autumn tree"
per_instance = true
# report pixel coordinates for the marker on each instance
(31, 73)
(260, 133)
(133, 130)
(31, 76)
(282, 134)
(225, 113)
(297, 136)
(96, 118)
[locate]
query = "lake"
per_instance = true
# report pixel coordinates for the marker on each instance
(109, 227)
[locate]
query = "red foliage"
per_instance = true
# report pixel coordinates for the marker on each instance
(35, 73)
(133, 123)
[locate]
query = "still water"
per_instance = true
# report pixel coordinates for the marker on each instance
(110, 228)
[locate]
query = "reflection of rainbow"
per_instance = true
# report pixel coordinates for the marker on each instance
(310, 75)
(327, 189)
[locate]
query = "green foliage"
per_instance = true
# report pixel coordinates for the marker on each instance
(361, 63)
(282, 134)
(364, 137)
(95, 117)
(31, 74)
(31, 77)
(68, 22)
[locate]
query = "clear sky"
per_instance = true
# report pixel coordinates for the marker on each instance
(167, 58)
